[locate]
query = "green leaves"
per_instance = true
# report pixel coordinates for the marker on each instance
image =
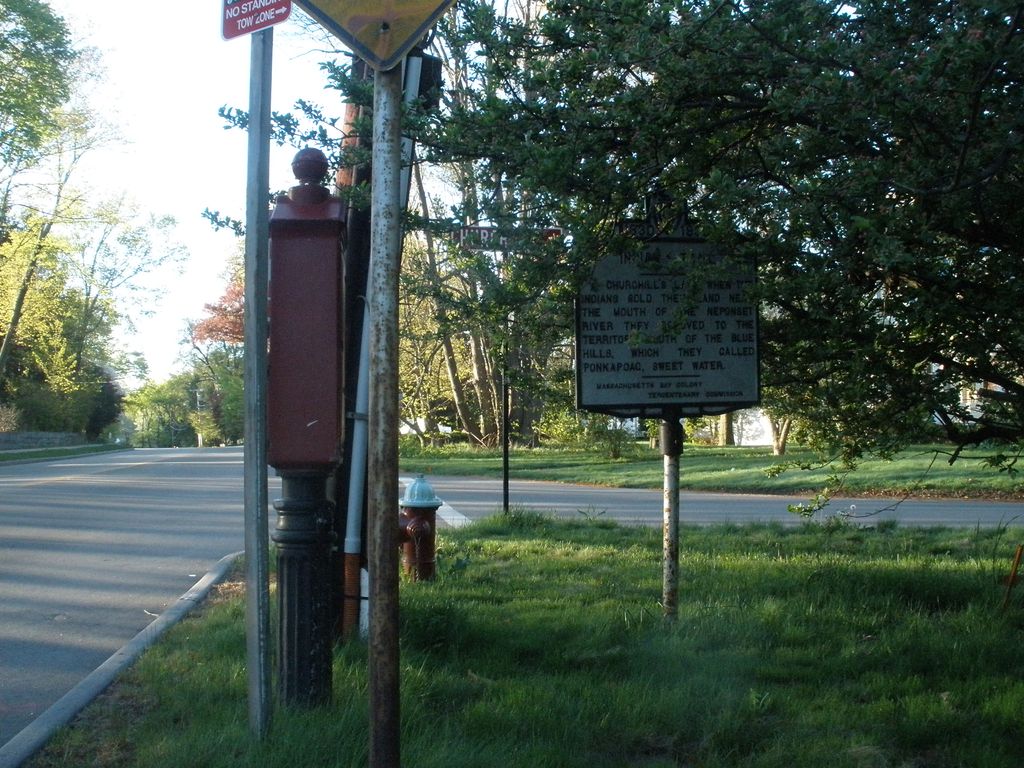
(36, 57)
(867, 154)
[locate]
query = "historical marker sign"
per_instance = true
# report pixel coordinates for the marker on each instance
(667, 329)
(380, 32)
(242, 17)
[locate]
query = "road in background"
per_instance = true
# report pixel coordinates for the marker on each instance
(92, 549)
(474, 498)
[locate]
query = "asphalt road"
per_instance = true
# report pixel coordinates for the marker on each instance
(93, 548)
(474, 498)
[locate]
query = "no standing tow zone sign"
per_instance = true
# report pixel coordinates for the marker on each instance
(242, 17)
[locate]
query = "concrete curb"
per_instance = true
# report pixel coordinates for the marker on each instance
(34, 736)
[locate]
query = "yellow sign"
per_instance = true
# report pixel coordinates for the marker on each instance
(380, 32)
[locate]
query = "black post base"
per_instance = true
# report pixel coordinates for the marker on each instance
(303, 589)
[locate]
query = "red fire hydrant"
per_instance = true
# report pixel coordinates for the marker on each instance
(417, 521)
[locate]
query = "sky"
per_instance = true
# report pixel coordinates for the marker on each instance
(167, 72)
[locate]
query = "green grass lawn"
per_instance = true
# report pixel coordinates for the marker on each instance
(541, 644)
(920, 470)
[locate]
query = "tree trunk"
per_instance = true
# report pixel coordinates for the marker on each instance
(469, 426)
(726, 436)
(483, 384)
(12, 326)
(19, 302)
(64, 175)
(780, 434)
(451, 366)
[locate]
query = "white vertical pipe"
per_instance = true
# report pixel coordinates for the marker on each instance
(671, 447)
(357, 461)
(411, 92)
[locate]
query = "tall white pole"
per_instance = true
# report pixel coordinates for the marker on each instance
(382, 490)
(671, 447)
(257, 606)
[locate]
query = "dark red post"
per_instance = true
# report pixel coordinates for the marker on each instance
(304, 419)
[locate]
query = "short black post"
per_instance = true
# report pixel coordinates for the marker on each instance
(303, 594)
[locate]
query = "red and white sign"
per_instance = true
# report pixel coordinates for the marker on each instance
(242, 17)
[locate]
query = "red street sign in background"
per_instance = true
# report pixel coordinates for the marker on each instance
(242, 17)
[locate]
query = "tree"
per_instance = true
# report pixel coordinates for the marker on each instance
(218, 363)
(107, 408)
(433, 360)
(224, 320)
(495, 296)
(868, 154)
(54, 203)
(217, 385)
(111, 249)
(726, 433)
(782, 427)
(68, 276)
(159, 414)
(36, 57)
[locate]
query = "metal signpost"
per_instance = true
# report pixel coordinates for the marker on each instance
(243, 17)
(665, 331)
(382, 32)
(257, 588)
(382, 458)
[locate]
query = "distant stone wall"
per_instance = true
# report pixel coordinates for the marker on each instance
(15, 441)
